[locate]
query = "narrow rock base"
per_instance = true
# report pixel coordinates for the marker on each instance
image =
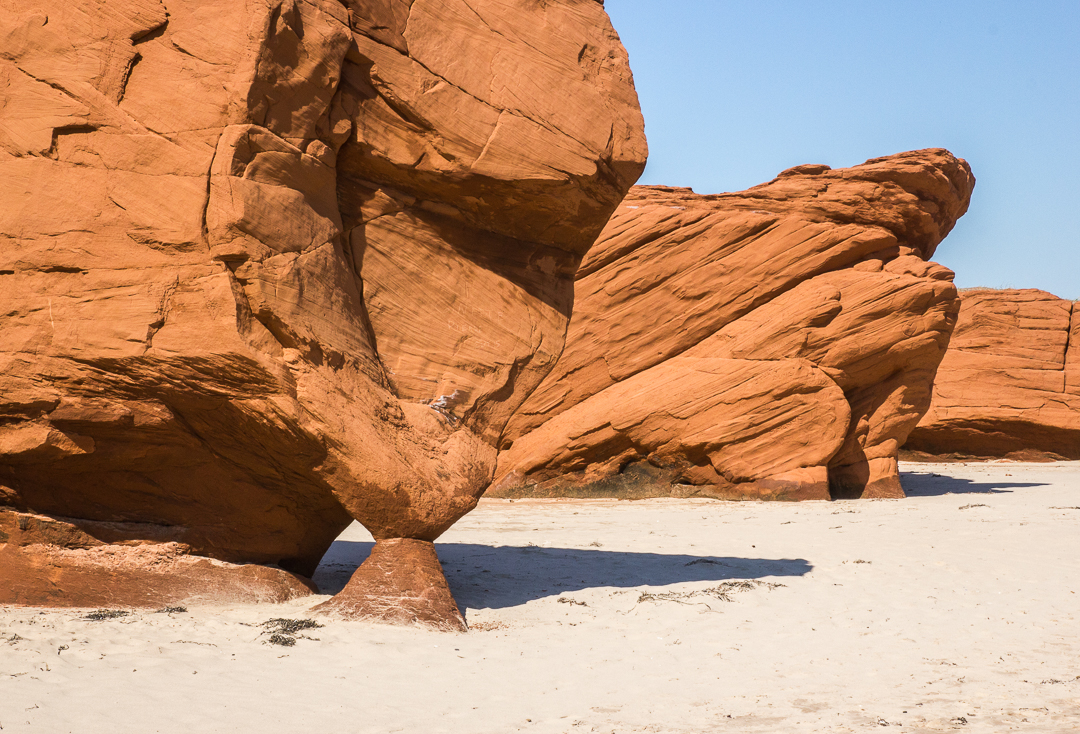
(401, 582)
(873, 479)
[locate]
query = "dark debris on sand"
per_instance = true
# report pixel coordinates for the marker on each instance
(103, 614)
(722, 592)
(285, 632)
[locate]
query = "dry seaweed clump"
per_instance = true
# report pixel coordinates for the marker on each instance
(100, 615)
(723, 592)
(285, 632)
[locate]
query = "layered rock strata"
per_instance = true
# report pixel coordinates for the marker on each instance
(1009, 386)
(779, 342)
(271, 266)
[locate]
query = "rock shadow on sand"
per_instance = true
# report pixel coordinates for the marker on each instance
(496, 577)
(928, 484)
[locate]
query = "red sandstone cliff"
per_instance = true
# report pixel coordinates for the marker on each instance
(1009, 385)
(271, 266)
(777, 342)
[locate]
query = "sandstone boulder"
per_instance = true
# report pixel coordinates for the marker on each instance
(1009, 386)
(779, 342)
(271, 266)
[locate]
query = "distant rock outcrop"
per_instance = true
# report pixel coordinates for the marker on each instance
(1009, 386)
(268, 267)
(778, 342)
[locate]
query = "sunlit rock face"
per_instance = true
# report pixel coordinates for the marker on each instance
(779, 342)
(269, 266)
(1009, 386)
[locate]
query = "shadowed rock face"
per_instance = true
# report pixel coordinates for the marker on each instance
(1009, 386)
(778, 342)
(271, 266)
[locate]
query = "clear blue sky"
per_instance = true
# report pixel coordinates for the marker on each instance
(734, 91)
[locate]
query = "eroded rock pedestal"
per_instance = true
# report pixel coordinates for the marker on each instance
(1009, 386)
(267, 267)
(401, 582)
(779, 342)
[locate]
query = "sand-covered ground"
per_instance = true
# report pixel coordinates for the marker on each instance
(954, 609)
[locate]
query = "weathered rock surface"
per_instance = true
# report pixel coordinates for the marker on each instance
(269, 266)
(1009, 386)
(401, 582)
(778, 342)
(49, 562)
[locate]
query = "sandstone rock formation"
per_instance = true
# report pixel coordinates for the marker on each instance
(272, 265)
(778, 342)
(1009, 386)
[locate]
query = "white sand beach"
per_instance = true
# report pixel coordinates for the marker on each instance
(953, 609)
